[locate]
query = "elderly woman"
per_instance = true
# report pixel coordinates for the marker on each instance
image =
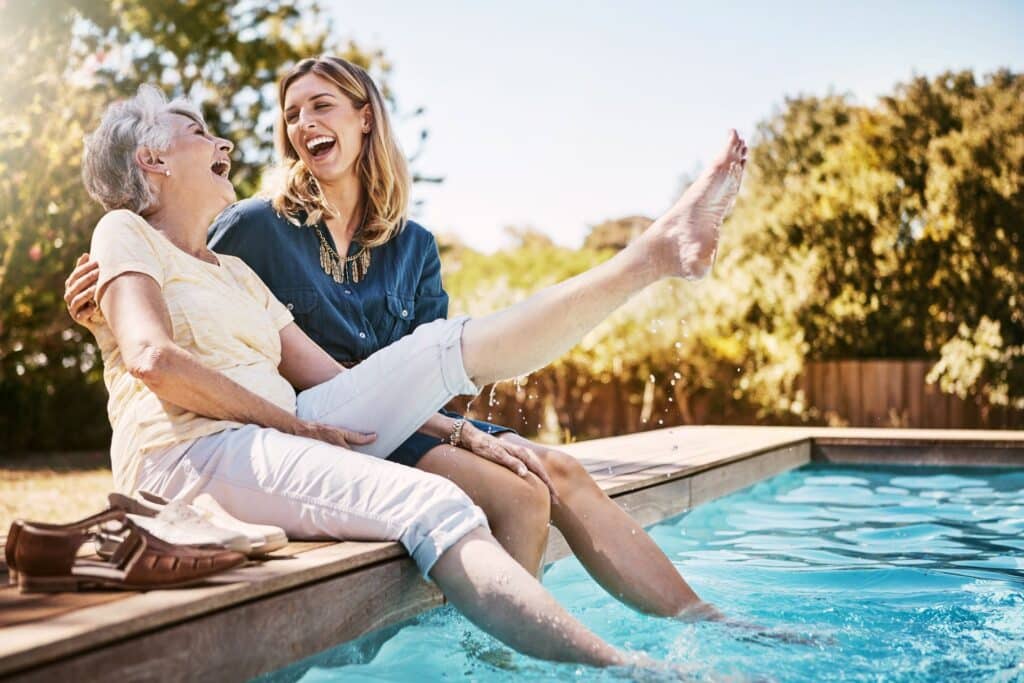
(203, 363)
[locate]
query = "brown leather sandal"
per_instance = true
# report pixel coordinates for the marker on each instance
(96, 521)
(44, 557)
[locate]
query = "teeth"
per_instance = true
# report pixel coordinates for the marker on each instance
(310, 144)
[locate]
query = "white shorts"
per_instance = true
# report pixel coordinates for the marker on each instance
(314, 490)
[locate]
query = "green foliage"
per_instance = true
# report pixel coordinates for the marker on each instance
(61, 63)
(886, 231)
(615, 234)
(891, 230)
(904, 219)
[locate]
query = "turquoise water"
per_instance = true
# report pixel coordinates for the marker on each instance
(895, 574)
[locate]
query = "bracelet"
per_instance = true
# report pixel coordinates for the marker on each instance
(455, 438)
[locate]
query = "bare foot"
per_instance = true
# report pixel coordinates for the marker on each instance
(684, 241)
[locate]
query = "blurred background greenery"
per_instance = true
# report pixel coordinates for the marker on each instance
(886, 231)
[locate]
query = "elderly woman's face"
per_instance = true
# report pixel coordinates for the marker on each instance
(324, 127)
(198, 161)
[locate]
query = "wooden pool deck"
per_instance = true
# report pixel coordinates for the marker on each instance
(312, 596)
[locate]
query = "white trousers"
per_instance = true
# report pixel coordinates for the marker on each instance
(314, 490)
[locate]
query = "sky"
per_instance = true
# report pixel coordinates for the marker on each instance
(558, 115)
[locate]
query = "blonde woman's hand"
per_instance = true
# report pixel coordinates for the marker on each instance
(80, 289)
(336, 436)
(519, 459)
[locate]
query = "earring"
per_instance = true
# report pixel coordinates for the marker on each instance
(167, 172)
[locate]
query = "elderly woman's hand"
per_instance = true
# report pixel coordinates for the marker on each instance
(346, 438)
(80, 289)
(517, 458)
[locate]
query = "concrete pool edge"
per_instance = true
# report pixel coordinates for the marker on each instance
(673, 495)
(227, 638)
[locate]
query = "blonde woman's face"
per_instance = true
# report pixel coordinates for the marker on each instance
(325, 129)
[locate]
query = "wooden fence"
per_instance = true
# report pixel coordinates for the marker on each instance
(559, 403)
(894, 393)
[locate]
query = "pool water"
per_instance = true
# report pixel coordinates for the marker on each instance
(894, 574)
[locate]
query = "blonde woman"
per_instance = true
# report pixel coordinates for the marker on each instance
(335, 245)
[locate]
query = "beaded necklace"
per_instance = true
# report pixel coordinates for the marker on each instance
(350, 268)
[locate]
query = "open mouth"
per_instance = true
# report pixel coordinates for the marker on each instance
(221, 167)
(320, 146)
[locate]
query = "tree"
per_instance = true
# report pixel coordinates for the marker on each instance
(61, 63)
(617, 233)
(890, 231)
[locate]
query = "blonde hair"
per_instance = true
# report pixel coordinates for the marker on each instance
(381, 167)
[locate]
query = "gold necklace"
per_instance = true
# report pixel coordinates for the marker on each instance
(349, 269)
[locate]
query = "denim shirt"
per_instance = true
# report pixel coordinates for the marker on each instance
(401, 290)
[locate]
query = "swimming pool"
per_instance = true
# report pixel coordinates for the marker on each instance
(896, 573)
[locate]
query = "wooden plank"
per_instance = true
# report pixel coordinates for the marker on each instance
(819, 387)
(895, 400)
(19, 608)
(246, 640)
(16, 608)
(852, 404)
(916, 370)
(832, 388)
(956, 413)
(871, 388)
(28, 644)
(933, 406)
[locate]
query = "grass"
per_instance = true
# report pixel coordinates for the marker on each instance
(53, 487)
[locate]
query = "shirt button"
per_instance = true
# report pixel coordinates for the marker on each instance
(362, 335)
(404, 313)
(291, 306)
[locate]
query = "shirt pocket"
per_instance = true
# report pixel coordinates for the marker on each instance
(400, 312)
(304, 304)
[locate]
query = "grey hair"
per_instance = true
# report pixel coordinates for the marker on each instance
(109, 170)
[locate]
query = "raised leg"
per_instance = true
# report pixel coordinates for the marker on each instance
(682, 243)
(616, 550)
(518, 508)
